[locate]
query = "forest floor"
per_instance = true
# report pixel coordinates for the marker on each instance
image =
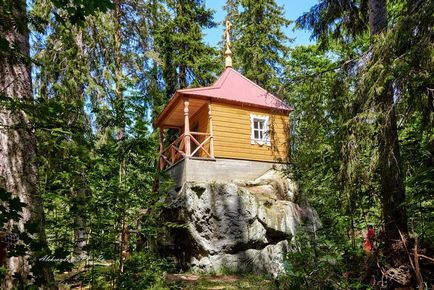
(218, 282)
(77, 279)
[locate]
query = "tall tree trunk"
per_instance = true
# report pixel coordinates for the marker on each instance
(119, 101)
(392, 185)
(185, 27)
(182, 77)
(120, 131)
(377, 15)
(18, 171)
(80, 232)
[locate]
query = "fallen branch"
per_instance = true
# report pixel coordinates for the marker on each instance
(426, 257)
(417, 268)
(414, 264)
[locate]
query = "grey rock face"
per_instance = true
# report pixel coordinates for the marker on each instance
(267, 260)
(241, 226)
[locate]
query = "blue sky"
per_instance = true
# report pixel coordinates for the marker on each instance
(292, 8)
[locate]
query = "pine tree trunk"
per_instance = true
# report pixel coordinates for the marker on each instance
(377, 15)
(391, 177)
(182, 77)
(392, 185)
(18, 171)
(80, 235)
(80, 232)
(120, 134)
(119, 102)
(184, 27)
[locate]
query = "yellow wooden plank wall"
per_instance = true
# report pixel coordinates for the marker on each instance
(231, 126)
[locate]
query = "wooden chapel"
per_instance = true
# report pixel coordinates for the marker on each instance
(231, 130)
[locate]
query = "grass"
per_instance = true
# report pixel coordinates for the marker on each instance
(99, 278)
(219, 282)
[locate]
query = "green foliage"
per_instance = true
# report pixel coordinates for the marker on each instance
(77, 10)
(329, 163)
(417, 140)
(329, 20)
(259, 44)
(94, 104)
(338, 127)
(143, 271)
(322, 262)
(97, 186)
(243, 281)
(185, 59)
(10, 207)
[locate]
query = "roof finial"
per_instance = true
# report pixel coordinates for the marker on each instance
(228, 52)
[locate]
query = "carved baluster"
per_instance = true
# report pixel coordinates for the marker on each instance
(211, 133)
(187, 129)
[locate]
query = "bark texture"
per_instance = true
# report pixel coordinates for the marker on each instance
(18, 171)
(377, 15)
(392, 184)
(391, 177)
(119, 106)
(119, 89)
(77, 118)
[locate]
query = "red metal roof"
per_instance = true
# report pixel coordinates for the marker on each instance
(233, 86)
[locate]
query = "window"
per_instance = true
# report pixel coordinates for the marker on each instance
(259, 130)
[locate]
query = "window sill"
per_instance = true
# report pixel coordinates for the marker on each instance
(261, 142)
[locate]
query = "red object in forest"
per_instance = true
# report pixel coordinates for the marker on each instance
(368, 243)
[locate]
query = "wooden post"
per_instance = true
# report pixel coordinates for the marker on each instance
(161, 148)
(211, 133)
(186, 129)
(172, 154)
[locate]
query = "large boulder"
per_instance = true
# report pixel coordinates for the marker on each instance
(241, 226)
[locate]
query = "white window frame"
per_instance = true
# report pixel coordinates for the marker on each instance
(266, 131)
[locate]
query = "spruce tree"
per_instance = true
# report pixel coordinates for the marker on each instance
(259, 44)
(18, 169)
(322, 20)
(186, 59)
(104, 153)
(389, 77)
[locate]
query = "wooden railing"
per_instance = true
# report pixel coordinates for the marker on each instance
(200, 146)
(173, 153)
(176, 151)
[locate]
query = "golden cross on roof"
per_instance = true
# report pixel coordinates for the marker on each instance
(228, 52)
(228, 33)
